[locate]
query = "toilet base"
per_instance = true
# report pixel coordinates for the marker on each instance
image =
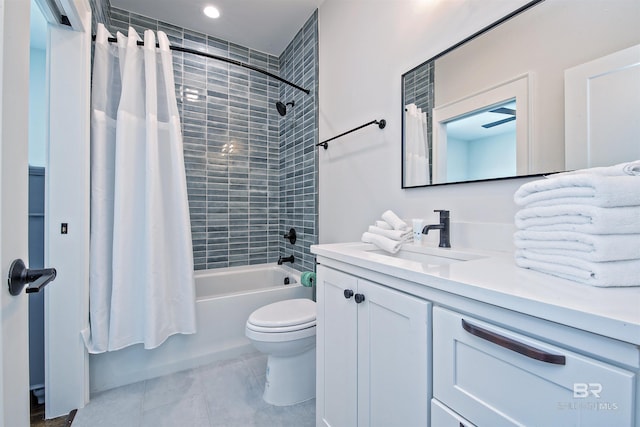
(290, 379)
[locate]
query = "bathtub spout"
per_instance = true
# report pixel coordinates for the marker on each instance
(290, 259)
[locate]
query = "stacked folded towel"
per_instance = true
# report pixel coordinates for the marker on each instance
(582, 225)
(388, 234)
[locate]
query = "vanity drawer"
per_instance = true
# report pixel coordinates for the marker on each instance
(441, 416)
(496, 377)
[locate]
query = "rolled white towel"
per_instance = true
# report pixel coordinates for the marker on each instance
(621, 169)
(401, 235)
(384, 225)
(589, 189)
(602, 274)
(382, 242)
(632, 168)
(580, 218)
(394, 221)
(589, 247)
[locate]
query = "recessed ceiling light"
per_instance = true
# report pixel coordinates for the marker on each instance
(211, 12)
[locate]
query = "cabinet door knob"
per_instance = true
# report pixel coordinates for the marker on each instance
(348, 293)
(359, 298)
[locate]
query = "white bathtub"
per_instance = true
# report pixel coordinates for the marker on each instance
(224, 300)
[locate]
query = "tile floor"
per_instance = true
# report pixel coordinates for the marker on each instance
(227, 393)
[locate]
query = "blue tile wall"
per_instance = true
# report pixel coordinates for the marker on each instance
(240, 185)
(298, 153)
(101, 12)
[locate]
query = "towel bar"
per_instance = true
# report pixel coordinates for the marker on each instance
(381, 124)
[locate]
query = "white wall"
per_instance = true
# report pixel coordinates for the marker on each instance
(365, 46)
(483, 153)
(481, 158)
(544, 53)
(457, 159)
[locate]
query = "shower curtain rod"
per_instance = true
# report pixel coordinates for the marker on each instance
(221, 58)
(381, 124)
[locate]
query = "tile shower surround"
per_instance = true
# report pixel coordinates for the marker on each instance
(101, 12)
(251, 174)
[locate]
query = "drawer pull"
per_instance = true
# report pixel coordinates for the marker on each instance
(518, 347)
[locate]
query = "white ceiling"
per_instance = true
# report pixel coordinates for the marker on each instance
(264, 25)
(469, 127)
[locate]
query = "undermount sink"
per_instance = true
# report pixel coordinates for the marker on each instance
(427, 255)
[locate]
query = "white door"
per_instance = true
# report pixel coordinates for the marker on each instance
(67, 378)
(393, 360)
(602, 106)
(337, 335)
(14, 87)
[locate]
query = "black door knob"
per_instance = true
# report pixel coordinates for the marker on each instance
(348, 293)
(20, 276)
(359, 298)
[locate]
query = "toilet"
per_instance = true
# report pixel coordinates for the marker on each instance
(286, 332)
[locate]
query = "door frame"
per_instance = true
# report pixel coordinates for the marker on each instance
(67, 201)
(518, 88)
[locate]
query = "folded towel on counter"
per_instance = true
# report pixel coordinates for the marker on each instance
(589, 247)
(382, 242)
(580, 218)
(394, 221)
(589, 189)
(621, 169)
(602, 274)
(401, 235)
(384, 225)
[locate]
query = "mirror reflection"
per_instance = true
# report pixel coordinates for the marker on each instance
(518, 65)
(475, 141)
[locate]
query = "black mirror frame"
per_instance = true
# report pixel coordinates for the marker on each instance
(444, 52)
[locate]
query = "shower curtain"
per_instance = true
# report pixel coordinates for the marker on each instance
(416, 147)
(141, 264)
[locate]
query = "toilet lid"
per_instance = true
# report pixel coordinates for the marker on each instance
(280, 314)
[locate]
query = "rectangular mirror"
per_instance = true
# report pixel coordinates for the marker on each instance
(492, 106)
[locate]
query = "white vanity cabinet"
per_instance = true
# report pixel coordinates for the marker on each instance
(474, 343)
(372, 360)
(496, 377)
(441, 416)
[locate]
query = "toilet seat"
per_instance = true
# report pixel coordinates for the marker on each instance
(271, 330)
(279, 337)
(284, 316)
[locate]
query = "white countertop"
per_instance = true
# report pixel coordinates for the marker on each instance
(494, 278)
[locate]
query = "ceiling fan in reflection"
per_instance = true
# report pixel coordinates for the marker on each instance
(501, 110)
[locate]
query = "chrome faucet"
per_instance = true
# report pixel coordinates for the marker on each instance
(443, 227)
(289, 258)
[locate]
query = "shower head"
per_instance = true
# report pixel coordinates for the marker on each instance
(282, 108)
